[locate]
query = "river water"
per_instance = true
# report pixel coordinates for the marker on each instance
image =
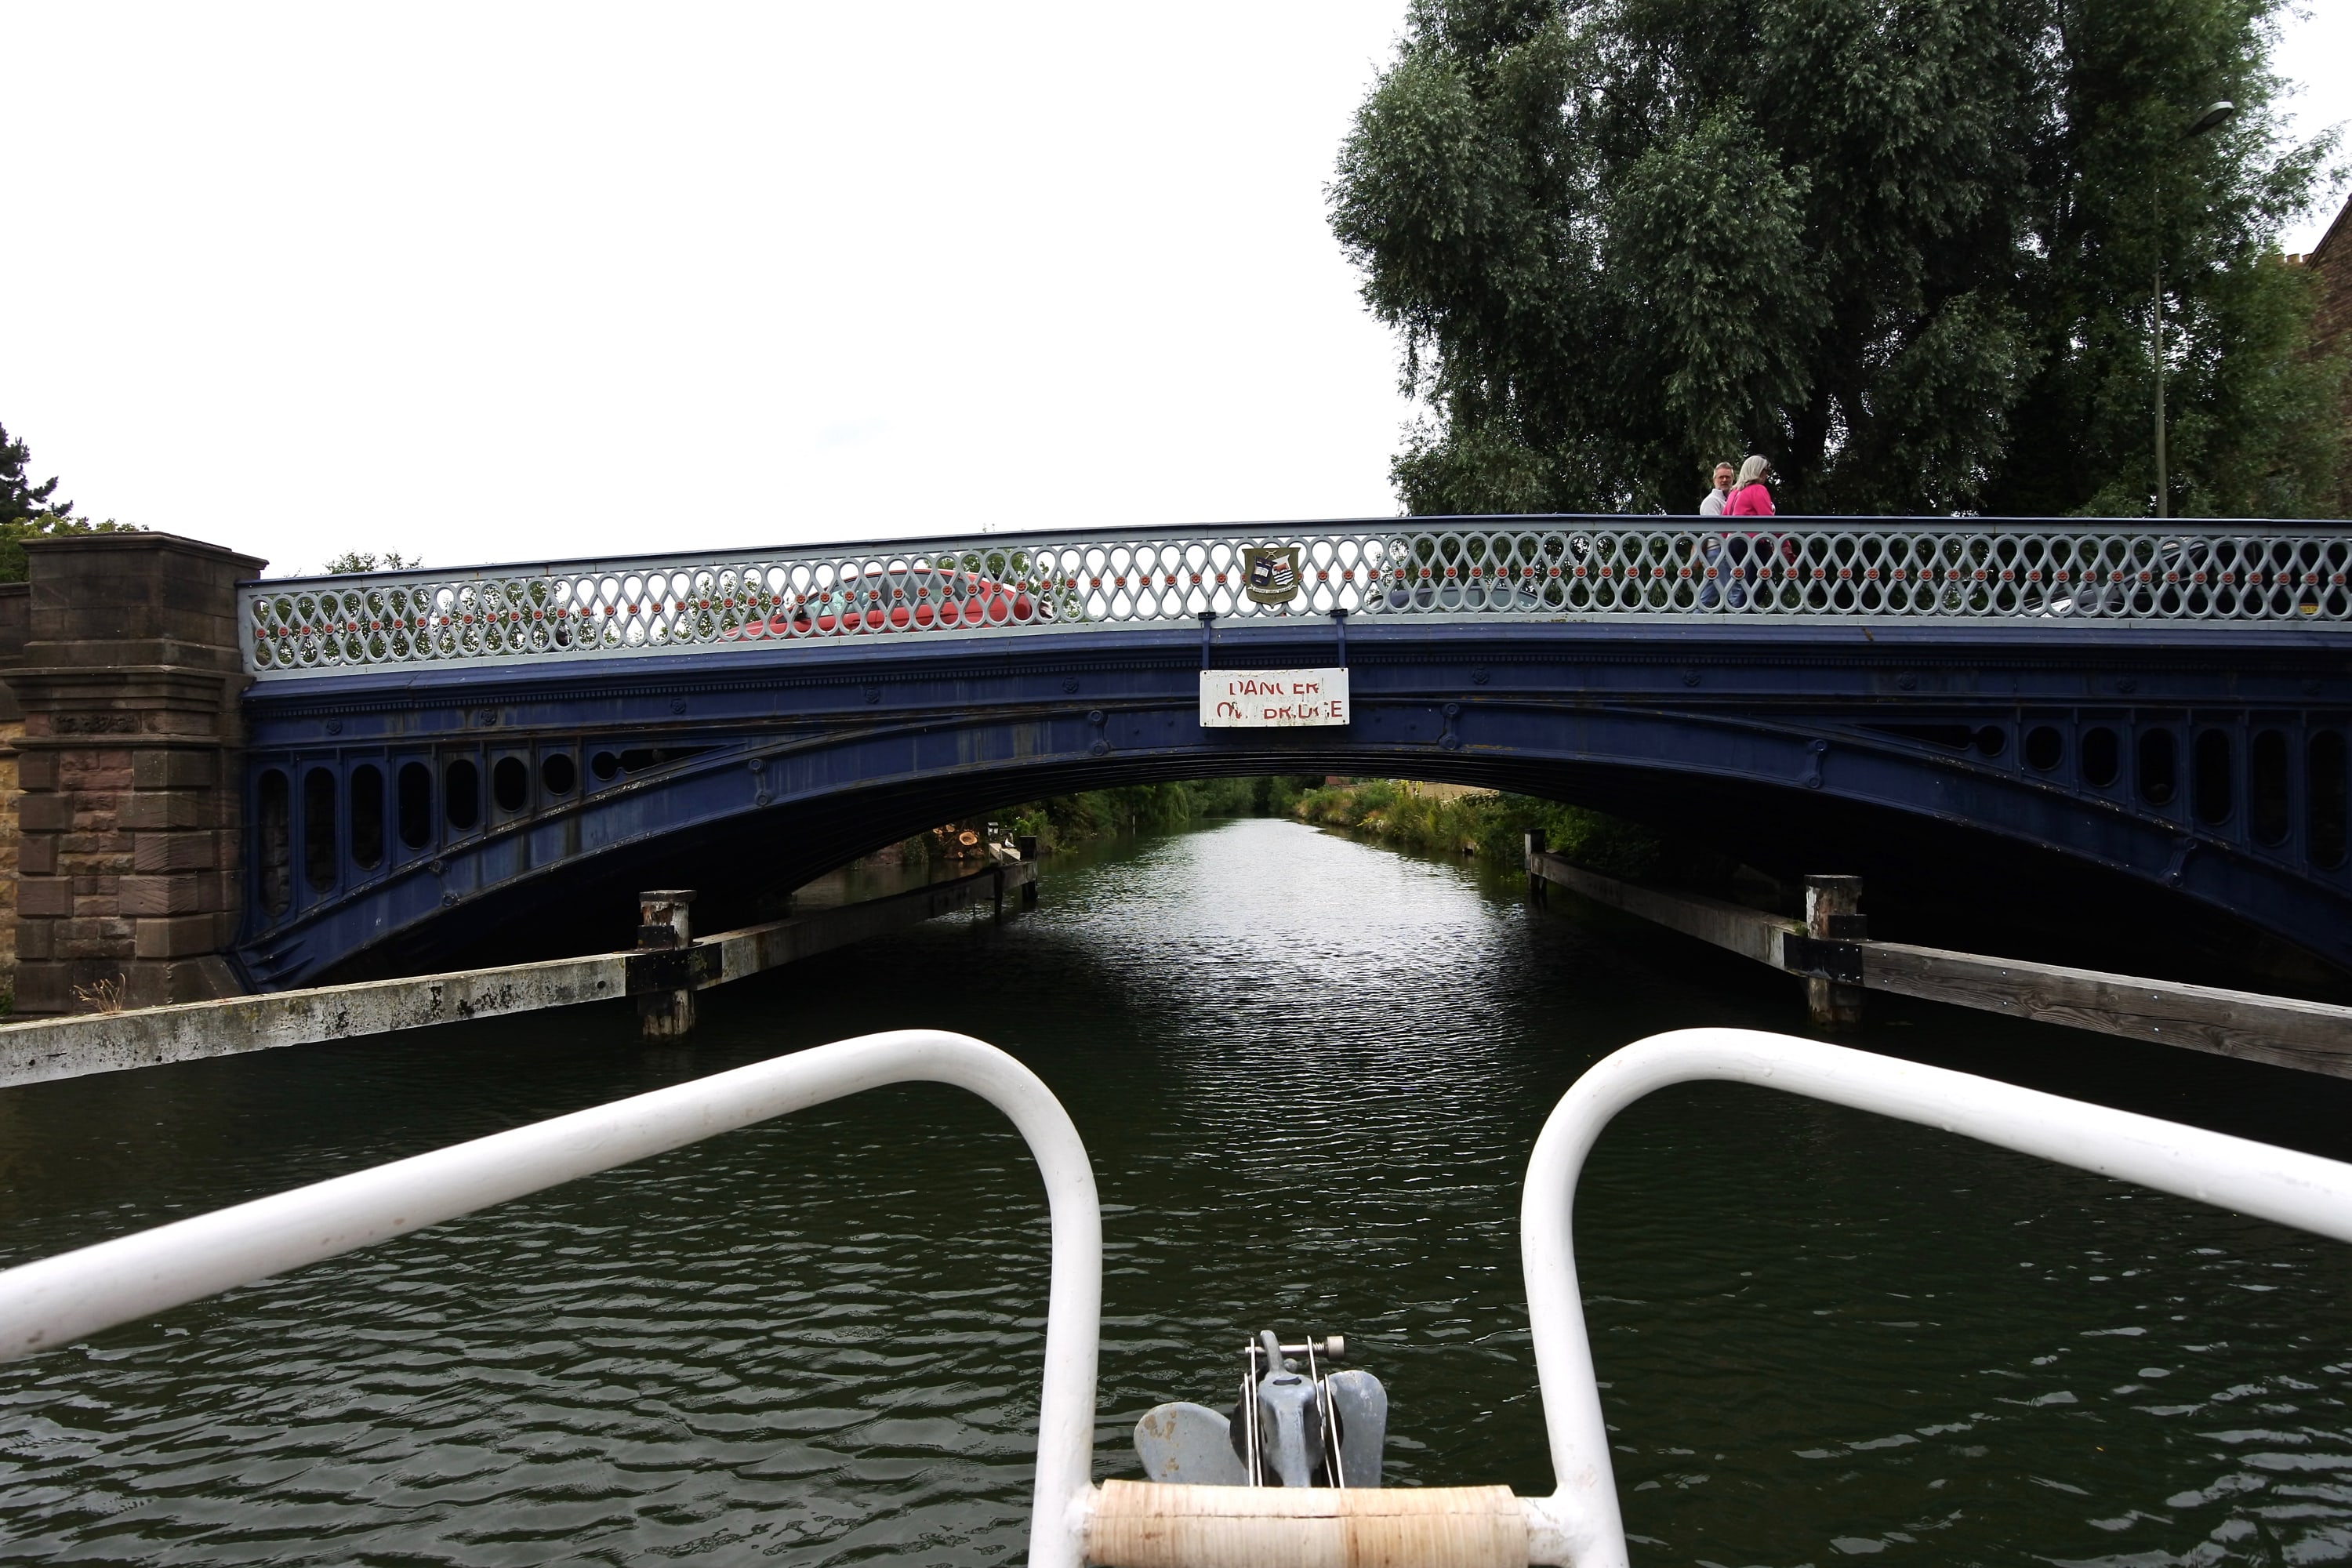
(1309, 1073)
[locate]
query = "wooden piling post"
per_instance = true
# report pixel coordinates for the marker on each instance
(665, 926)
(1027, 843)
(1834, 913)
(1538, 888)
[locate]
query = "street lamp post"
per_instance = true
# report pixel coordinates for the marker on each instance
(2214, 114)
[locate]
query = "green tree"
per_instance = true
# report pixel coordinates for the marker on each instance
(1902, 247)
(29, 510)
(350, 562)
(20, 498)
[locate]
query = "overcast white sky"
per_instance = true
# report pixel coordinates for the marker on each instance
(501, 283)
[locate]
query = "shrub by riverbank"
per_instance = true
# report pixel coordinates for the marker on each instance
(1387, 811)
(1495, 826)
(1065, 821)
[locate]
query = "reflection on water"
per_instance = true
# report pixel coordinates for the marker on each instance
(1309, 1073)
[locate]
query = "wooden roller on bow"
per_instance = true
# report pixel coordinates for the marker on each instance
(1136, 1524)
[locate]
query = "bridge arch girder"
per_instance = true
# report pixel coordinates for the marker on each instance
(746, 773)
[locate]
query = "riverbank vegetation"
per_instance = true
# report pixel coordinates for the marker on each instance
(1395, 813)
(1065, 821)
(1494, 826)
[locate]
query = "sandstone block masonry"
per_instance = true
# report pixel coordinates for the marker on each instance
(15, 602)
(127, 879)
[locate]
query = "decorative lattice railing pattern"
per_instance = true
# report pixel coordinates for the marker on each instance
(1533, 569)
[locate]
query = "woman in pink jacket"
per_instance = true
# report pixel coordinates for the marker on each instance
(1750, 497)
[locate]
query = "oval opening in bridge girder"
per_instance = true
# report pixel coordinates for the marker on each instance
(510, 784)
(2045, 747)
(2159, 767)
(2212, 793)
(367, 816)
(415, 804)
(2101, 757)
(319, 829)
(461, 795)
(2324, 781)
(277, 865)
(2267, 787)
(606, 767)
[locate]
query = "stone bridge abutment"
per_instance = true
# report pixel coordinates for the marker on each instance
(121, 655)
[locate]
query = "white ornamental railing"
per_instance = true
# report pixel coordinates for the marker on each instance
(1123, 1524)
(1454, 569)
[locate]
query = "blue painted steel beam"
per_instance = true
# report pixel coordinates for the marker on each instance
(808, 755)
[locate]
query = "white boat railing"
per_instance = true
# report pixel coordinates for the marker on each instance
(1579, 1523)
(58, 1300)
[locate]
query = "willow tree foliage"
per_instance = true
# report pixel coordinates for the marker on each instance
(1904, 248)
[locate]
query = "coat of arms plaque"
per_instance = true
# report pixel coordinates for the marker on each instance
(1270, 572)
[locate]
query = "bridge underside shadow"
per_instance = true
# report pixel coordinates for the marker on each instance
(1998, 792)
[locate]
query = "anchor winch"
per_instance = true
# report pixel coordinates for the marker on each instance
(1295, 1424)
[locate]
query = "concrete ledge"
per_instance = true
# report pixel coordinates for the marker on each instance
(2281, 1030)
(149, 1037)
(1751, 933)
(45, 1049)
(2285, 1031)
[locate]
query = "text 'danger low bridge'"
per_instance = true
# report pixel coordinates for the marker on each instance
(443, 764)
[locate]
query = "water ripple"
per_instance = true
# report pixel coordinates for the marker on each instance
(1309, 1074)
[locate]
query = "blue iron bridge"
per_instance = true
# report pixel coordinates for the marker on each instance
(2101, 722)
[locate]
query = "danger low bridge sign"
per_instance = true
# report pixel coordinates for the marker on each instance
(1272, 699)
